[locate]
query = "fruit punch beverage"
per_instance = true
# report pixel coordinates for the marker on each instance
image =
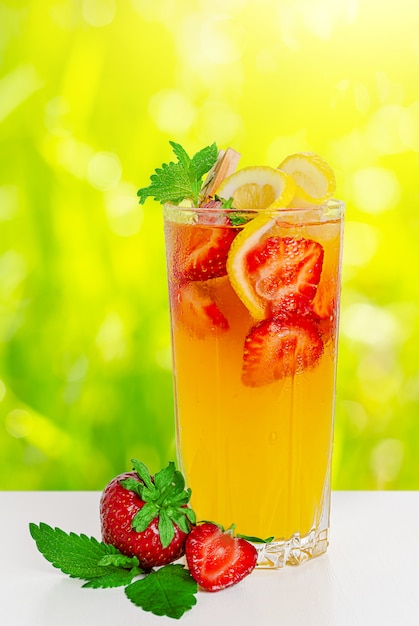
(254, 331)
(253, 259)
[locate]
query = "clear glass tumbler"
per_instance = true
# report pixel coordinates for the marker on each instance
(254, 303)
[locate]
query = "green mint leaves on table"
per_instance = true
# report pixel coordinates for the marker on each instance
(99, 564)
(169, 591)
(174, 182)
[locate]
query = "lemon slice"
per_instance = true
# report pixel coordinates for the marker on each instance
(258, 187)
(247, 239)
(314, 178)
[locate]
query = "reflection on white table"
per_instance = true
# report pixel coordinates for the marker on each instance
(368, 577)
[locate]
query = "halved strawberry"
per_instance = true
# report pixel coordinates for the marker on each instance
(278, 266)
(282, 346)
(198, 312)
(324, 302)
(325, 308)
(202, 251)
(216, 559)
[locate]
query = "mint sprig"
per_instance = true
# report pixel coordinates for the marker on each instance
(79, 556)
(165, 498)
(181, 180)
(168, 591)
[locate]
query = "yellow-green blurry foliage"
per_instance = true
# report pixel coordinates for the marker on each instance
(90, 93)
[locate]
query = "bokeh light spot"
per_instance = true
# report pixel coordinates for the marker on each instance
(370, 325)
(104, 170)
(78, 369)
(13, 271)
(356, 415)
(110, 338)
(56, 111)
(221, 40)
(9, 202)
(18, 423)
(163, 358)
(73, 156)
(318, 19)
(125, 215)
(376, 189)
(386, 461)
(383, 130)
(379, 377)
(362, 98)
(16, 87)
(98, 12)
(152, 11)
(409, 126)
(361, 243)
(3, 390)
(172, 111)
(218, 120)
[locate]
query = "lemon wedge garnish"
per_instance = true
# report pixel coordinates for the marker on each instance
(246, 240)
(314, 178)
(258, 187)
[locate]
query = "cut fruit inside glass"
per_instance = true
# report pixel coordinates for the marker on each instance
(258, 187)
(314, 178)
(265, 267)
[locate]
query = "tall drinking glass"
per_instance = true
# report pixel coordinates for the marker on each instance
(254, 303)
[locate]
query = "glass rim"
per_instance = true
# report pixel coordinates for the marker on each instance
(332, 209)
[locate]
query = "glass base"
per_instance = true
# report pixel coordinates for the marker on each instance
(293, 551)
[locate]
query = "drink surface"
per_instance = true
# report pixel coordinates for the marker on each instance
(254, 436)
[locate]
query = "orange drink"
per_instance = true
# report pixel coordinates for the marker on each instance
(254, 299)
(253, 261)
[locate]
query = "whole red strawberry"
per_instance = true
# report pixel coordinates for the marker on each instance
(147, 517)
(216, 558)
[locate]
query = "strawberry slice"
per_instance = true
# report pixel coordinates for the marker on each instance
(325, 301)
(216, 559)
(279, 266)
(203, 251)
(282, 346)
(198, 312)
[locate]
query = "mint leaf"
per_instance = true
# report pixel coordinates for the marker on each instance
(119, 560)
(170, 183)
(238, 219)
(168, 591)
(116, 578)
(203, 160)
(181, 154)
(225, 203)
(82, 557)
(174, 182)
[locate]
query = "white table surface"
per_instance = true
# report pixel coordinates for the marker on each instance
(368, 577)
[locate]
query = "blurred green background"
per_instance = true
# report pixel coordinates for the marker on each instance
(90, 93)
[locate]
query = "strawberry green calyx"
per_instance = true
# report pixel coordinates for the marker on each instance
(165, 498)
(231, 530)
